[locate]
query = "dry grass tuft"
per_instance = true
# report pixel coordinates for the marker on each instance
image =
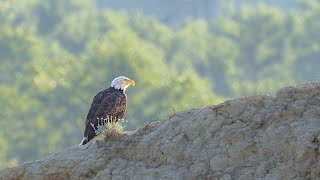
(108, 129)
(113, 129)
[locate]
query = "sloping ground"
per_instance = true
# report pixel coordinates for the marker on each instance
(251, 137)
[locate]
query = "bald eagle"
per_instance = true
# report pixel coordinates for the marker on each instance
(109, 104)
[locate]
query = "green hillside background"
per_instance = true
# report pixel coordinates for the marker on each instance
(56, 55)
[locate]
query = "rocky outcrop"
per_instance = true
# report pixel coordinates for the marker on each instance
(247, 138)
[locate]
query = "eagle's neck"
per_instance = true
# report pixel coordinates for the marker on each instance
(121, 90)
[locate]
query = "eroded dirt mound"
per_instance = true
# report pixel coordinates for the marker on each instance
(252, 137)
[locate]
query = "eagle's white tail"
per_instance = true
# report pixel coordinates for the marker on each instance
(82, 141)
(90, 143)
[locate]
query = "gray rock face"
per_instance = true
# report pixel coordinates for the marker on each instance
(257, 137)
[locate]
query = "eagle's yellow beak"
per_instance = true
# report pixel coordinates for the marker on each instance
(131, 82)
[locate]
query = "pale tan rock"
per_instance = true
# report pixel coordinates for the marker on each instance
(257, 137)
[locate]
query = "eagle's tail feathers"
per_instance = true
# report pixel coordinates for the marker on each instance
(86, 145)
(90, 143)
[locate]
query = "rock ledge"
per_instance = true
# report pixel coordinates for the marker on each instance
(250, 137)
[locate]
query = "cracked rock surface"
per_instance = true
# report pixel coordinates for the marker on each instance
(256, 137)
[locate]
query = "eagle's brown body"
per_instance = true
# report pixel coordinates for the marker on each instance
(109, 105)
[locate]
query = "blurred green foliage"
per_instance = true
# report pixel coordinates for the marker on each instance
(56, 55)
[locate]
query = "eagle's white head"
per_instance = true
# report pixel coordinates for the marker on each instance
(122, 83)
